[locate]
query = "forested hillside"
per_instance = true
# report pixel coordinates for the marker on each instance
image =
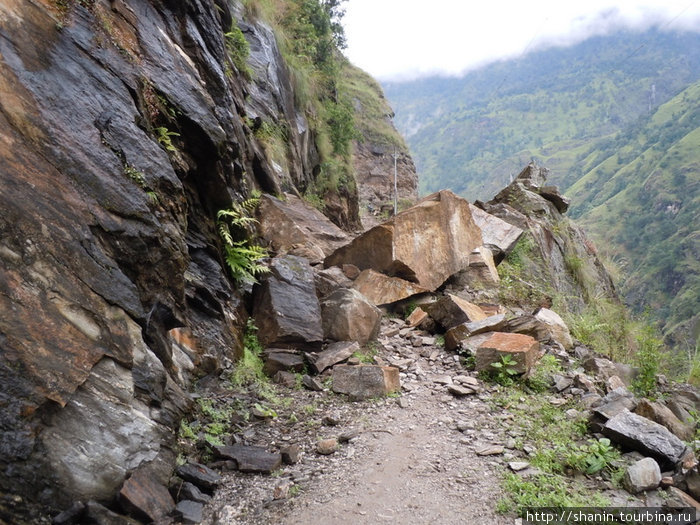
(615, 118)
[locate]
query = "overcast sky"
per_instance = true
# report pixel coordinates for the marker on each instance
(403, 39)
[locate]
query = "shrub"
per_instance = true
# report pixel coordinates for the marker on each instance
(238, 49)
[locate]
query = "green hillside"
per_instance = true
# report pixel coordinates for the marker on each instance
(616, 119)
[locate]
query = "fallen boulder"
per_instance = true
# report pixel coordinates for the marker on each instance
(381, 289)
(334, 354)
(663, 415)
(144, 496)
(286, 308)
(250, 459)
(365, 381)
(523, 349)
(329, 280)
(638, 433)
(199, 475)
(450, 310)
(281, 360)
(455, 336)
(348, 316)
(496, 233)
(425, 244)
(555, 326)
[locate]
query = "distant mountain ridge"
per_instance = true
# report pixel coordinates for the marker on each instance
(615, 119)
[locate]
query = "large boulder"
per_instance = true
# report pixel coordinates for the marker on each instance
(663, 415)
(555, 325)
(457, 334)
(349, 316)
(638, 433)
(365, 381)
(334, 354)
(643, 475)
(523, 349)
(425, 244)
(451, 310)
(498, 235)
(292, 226)
(286, 308)
(381, 289)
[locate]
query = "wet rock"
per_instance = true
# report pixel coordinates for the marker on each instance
(286, 308)
(292, 226)
(332, 355)
(415, 244)
(200, 475)
(365, 381)
(523, 349)
(638, 433)
(643, 475)
(188, 491)
(661, 414)
(250, 458)
(144, 496)
(189, 512)
(496, 233)
(277, 360)
(457, 335)
(349, 316)
(381, 289)
(327, 446)
(451, 310)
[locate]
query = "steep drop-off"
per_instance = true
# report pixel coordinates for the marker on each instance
(125, 126)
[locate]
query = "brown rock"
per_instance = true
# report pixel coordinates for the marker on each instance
(552, 194)
(677, 498)
(365, 381)
(292, 226)
(490, 450)
(451, 310)
(426, 243)
(661, 414)
(482, 265)
(417, 317)
(381, 289)
(523, 348)
(351, 271)
(291, 454)
(143, 496)
(329, 280)
(555, 325)
(333, 354)
(455, 336)
(251, 459)
(327, 446)
(348, 316)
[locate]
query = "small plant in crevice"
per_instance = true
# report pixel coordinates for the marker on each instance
(164, 136)
(238, 49)
(249, 369)
(241, 256)
(505, 370)
(648, 359)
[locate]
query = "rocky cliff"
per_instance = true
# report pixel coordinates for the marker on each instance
(125, 126)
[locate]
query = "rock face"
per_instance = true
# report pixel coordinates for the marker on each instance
(425, 244)
(286, 309)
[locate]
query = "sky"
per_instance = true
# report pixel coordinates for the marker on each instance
(406, 39)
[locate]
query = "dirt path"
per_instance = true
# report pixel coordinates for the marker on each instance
(413, 460)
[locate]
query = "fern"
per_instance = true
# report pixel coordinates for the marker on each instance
(241, 257)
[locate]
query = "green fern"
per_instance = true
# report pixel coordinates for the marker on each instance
(241, 257)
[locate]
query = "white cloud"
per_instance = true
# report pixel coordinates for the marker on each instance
(394, 39)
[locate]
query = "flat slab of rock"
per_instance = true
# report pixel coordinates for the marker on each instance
(425, 244)
(189, 491)
(417, 317)
(365, 381)
(663, 415)
(643, 475)
(350, 316)
(332, 355)
(286, 308)
(638, 433)
(200, 475)
(615, 402)
(143, 495)
(457, 334)
(282, 360)
(189, 512)
(496, 232)
(452, 310)
(381, 289)
(490, 450)
(522, 348)
(460, 391)
(251, 459)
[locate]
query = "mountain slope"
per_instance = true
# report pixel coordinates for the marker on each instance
(615, 118)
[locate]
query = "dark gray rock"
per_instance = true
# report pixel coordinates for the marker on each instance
(552, 194)
(282, 360)
(332, 355)
(200, 475)
(615, 402)
(99, 515)
(189, 512)
(652, 439)
(71, 515)
(188, 491)
(312, 383)
(286, 308)
(251, 459)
